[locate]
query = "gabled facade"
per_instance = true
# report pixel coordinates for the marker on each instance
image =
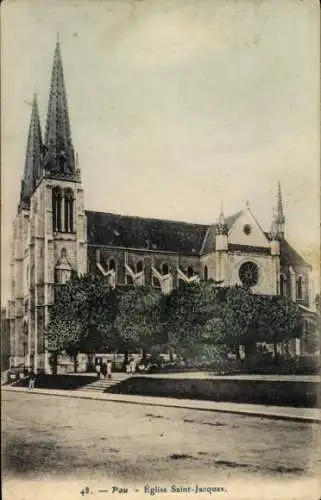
(53, 237)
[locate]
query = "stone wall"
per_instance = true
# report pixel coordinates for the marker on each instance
(268, 392)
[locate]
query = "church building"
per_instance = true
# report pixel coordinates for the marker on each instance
(54, 236)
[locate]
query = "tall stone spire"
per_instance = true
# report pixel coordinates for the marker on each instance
(279, 215)
(33, 161)
(59, 151)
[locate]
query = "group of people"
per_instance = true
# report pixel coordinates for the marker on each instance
(104, 369)
(131, 366)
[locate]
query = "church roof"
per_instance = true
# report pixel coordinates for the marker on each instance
(289, 256)
(129, 231)
(209, 240)
(185, 238)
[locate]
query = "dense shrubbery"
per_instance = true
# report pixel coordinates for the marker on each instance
(198, 321)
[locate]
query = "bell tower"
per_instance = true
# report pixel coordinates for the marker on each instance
(19, 303)
(57, 239)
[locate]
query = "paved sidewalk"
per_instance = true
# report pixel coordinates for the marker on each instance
(275, 412)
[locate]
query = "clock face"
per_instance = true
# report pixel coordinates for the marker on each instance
(249, 274)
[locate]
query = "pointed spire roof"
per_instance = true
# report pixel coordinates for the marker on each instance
(221, 219)
(59, 159)
(273, 230)
(33, 160)
(221, 227)
(279, 207)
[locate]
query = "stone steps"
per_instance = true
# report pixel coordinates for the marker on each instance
(100, 385)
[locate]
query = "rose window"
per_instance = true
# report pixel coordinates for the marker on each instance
(249, 274)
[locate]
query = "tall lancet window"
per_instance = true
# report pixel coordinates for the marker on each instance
(69, 211)
(190, 271)
(165, 269)
(205, 273)
(56, 209)
(299, 288)
(283, 285)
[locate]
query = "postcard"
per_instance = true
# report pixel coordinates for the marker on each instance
(160, 305)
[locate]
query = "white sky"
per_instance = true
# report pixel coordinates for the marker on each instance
(175, 105)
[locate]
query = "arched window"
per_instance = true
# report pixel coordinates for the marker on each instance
(139, 266)
(56, 209)
(129, 280)
(165, 269)
(111, 265)
(156, 283)
(190, 271)
(299, 288)
(205, 273)
(69, 211)
(282, 285)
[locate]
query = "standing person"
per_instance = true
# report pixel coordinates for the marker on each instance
(104, 370)
(32, 380)
(132, 365)
(109, 368)
(98, 368)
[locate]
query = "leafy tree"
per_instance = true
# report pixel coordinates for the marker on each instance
(136, 323)
(98, 308)
(82, 316)
(63, 335)
(280, 320)
(240, 319)
(189, 317)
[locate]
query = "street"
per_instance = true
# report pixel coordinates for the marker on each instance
(50, 437)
